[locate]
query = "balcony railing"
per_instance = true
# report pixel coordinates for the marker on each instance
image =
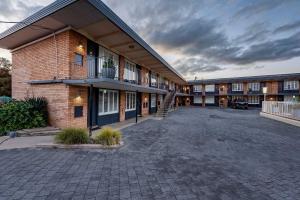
(283, 109)
(105, 67)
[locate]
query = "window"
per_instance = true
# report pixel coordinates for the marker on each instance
(153, 80)
(197, 88)
(253, 99)
(107, 58)
(130, 101)
(254, 86)
(209, 100)
(153, 100)
(197, 99)
(78, 59)
(237, 87)
(209, 88)
(108, 102)
(291, 85)
(291, 98)
(130, 71)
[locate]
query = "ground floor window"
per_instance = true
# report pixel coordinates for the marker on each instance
(291, 98)
(130, 101)
(210, 100)
(108, 102)
(197, 99)
(153, 100)
(253, 99)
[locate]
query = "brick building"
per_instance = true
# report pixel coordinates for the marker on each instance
(92, 68)
(221, 92)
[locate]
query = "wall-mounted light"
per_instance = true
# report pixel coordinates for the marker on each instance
(145, 99)
(80, 45)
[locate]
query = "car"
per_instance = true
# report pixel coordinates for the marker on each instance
(239, 104)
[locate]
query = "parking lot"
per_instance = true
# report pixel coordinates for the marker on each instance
(194, 153)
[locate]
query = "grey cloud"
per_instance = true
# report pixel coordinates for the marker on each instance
(257, 7)
(256, 32)
(276, 50)
(194, 35)
(16, 8)
(193, 65)
(287, 27)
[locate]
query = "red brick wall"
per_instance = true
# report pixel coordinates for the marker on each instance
(39, 62)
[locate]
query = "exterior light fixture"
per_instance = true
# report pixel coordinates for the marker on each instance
(131, 46)
(80, 45)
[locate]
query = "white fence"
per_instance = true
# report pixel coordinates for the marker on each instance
(280, 108)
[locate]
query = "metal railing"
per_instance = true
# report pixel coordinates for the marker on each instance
(106, 67)
(282, 109)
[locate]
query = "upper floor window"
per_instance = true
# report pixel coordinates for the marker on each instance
(237, 87)
(130, 101)
(130, 71)
(153, 80)
(210, 88)
(107, 61)
(78, 59)
(254, 86)
(197, 88)
(291, 85)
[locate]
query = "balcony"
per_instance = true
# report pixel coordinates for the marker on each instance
(104, 72)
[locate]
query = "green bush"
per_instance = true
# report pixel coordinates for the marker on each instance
(108, 136)
(72, 136)
(16, 115)
(39, 104)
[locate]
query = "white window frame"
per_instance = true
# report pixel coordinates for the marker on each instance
(130, 71)
(253, 100)
(153, 100)
(210, 88)
(115, 107)
(199, 101)
(237, 87)
(130, 101)
(153, 80)
(291, 85)
(255, 86)
(197, 88)
(209, 102)
(104, 54)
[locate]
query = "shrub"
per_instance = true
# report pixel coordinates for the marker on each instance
(108, 136)
(72, 136)
(39, 104)
(16, 115)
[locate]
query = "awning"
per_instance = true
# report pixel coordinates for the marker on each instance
(114, 85)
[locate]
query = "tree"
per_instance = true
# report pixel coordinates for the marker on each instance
(5, 77)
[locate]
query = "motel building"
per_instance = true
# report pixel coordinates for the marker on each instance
(95, 70)
(221, 92)
(92, 68)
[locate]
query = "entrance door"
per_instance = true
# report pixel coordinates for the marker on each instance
(139, 103)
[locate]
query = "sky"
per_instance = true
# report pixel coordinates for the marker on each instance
(204, 38)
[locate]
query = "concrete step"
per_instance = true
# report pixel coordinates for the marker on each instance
(45, 131)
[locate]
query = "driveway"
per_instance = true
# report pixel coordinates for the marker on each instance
(194, 153)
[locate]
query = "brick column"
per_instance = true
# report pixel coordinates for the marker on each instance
(122, 105)
(121, 67)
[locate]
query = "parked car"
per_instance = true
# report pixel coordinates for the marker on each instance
(239, 104)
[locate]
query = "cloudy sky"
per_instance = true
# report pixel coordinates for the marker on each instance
(205, 38)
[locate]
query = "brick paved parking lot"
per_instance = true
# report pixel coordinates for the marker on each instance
(193, 154)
